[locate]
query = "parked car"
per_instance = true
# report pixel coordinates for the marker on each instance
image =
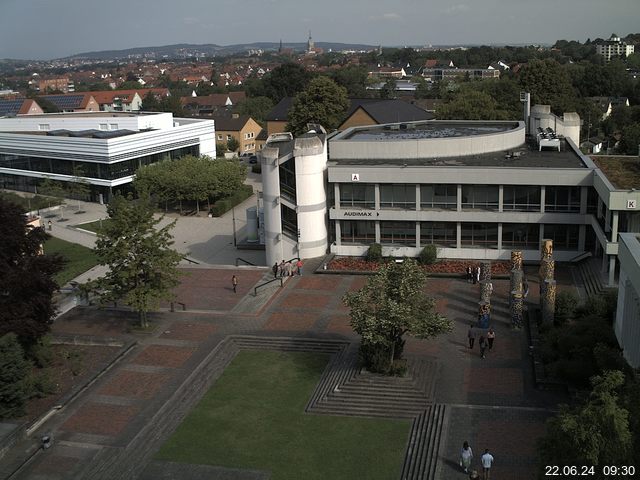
(253, 159)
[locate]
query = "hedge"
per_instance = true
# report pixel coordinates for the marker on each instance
(223, 206)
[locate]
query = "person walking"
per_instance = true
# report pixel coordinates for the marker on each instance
(282, 268)
(275, 270)
(471, 336)
(299, 266)
(487, 461)
(234, 282)
(482, 343)
(469, 274)
(50, 225)
(466, 455)
(477, 277)
(491, 336)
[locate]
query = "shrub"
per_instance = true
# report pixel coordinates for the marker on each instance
(428, 255)
(41, 385)
(566, 304)
(604, 305)
(41, 352)
(374, 254)
(257, 168)
(14, 384)
(224, 205)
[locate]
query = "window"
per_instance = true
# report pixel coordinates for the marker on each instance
(402, 233)
(398, 196)
(521, 198)
(526, 236)
(444, 197)
(357, 232)
(288, 179)
(357, 195)
(480, 197)
(565, 237)
(442, 234)
(219, 137)
(44, 127)
(113, 126)
(562, 199)
(289, 221)
(228, 137)
(479, 235)
(104, 126)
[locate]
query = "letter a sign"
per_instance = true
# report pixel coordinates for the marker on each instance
(355, 177)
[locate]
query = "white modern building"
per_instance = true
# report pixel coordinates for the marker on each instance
(106, 147)
(475, 189)
(627, 324)
(614, 47)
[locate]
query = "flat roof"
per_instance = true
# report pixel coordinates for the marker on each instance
(525, 156)
(417, 130)
(622, 172)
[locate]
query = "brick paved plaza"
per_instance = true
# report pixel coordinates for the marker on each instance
(489, 402)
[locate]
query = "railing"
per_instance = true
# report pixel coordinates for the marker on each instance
(281, 279)
(189, 260)
(183, 305)
(245, 261)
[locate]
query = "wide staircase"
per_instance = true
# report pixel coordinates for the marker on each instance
(592, 279)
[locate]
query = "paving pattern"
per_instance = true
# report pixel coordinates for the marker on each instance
(114, 429)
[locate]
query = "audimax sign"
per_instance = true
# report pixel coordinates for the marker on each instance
(360, 213)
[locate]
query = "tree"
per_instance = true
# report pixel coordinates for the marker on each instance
(549, 84)
(150, 103)
(353, 78)
(470, 105)
(594, 433)
(256, 107)
(285, 80)
(142, 265)
(26, 283)
(390, 305)
(78, 187)
(233, 144)
(388, 90)
(323, 102)
(55, 189)
(14, 371)
(630, 142)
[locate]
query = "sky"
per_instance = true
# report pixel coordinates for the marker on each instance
(46, 29)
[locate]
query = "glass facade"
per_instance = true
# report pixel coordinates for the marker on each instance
(289, 221)
(479, 235)
(442, 234)
(562, 199)
(287, 172)
(565, 237)
(443, 197)
(402, 196)
(520, 235)
(521, 198)
(480, 197)
(103, 171)
(400, 233)
(357, 232)
(357, 195)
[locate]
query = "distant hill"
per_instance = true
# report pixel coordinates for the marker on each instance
(182, 50)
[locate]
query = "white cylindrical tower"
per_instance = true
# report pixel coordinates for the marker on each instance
(311, 164)
(273, 240)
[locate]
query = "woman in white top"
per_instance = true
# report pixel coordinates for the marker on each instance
(466, 455)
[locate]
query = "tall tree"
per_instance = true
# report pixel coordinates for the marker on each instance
(26, 278)
(594, 433)
(549, 84)
(256, 107)
(393, 304)
(14, 369)
(142, 265)
(285, 80)
(323, 102)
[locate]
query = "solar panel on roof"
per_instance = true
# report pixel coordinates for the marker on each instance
(66, 102)
(10, 107)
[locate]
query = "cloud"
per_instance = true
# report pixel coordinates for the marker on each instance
(385, 17)
(455, 9)
(190, 20)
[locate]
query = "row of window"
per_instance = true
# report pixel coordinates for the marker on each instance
(474, 197)
(473, 235)
(105, 171)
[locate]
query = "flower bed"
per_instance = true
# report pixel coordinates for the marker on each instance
(454, 267)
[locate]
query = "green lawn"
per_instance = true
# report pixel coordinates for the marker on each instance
(93, 226)
(80, 259)
(253, 417)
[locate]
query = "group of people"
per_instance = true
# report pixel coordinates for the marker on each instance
(287, 269)
(473, 274)
(483, 342)
(466, 459)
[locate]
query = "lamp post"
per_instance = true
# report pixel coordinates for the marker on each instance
(233, 216)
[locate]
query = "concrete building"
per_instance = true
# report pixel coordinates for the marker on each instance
(627, 324)
(475, 189)
(613, 48)
(107, 148)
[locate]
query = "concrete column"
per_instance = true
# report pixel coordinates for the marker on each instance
(541, 236)
(584, 195)
(599, 211)
(607, 221)
(458, 235)
(501, 198)
(418, 235)
(377, 231)
(614, 227)
(336, 194)
(499, 237)
(603, 268)
(377, 198)
(338, 232)
(459, 198)
(582, 237)
(543, 197)
(612, 271)
(417, 197)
